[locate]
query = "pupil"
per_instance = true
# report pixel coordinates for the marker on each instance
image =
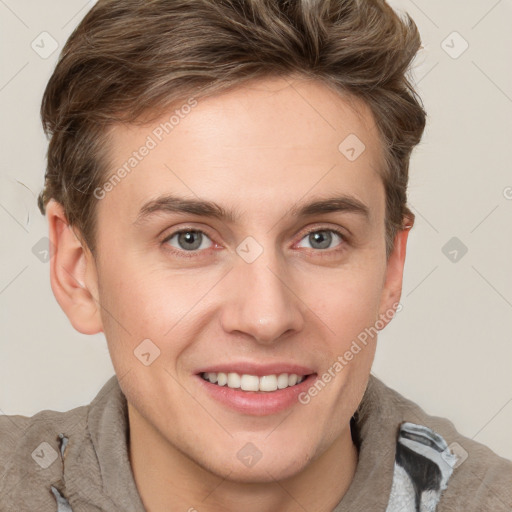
(323, 238)
(188, 238)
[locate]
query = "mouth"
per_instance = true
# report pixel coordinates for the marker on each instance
(257, 391)
(247, 382)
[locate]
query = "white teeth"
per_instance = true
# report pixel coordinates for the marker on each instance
(267, 383)
(282, 381)
(249, 383)
(234, 380)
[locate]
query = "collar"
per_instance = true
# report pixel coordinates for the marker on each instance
(375, 427)
(97, 470)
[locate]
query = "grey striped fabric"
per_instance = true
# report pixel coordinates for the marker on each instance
(423, 466)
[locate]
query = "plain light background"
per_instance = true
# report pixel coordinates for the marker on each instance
(449, 349)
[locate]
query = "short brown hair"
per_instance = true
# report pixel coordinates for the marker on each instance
(130, 59)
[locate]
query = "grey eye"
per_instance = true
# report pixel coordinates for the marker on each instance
(321, 239)
(189, 240)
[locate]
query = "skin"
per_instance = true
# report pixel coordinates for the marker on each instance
(258, 150)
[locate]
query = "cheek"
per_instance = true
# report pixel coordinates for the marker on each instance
(142, 301)
(138, 304)
(347, 300)
(348, 304)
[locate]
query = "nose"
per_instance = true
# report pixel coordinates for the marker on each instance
(262, 302)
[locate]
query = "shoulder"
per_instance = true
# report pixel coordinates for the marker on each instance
(34, 449)
(31, 456)
(18, 431)
(481, 479)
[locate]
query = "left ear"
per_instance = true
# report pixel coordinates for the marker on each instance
(392, 290)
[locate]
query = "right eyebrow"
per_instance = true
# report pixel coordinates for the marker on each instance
(174, 204)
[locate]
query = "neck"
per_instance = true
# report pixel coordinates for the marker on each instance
(166, 478)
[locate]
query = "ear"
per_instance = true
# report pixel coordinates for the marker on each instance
(392, 290)
(73, 273)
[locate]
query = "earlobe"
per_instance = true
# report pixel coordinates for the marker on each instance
(73, 273)
(392, 290)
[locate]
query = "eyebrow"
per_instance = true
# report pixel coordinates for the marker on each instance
(203, 208)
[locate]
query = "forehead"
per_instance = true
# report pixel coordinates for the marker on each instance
(268, 142)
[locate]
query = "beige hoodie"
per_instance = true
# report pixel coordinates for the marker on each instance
(78, 460)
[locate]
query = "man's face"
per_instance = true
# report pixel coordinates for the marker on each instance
(267, 292)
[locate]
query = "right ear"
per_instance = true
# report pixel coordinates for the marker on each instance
(73, 274)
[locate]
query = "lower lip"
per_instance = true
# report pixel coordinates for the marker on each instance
(256, 403)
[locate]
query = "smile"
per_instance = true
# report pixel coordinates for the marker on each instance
(246, 382)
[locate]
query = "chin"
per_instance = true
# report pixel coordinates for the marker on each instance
(261, 473)
(249, 465)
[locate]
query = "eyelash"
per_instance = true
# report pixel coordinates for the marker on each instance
(196, 252)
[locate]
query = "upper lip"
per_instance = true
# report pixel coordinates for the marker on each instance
(258, 369)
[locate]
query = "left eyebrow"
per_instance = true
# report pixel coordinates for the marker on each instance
(344, 203)
(203, 208)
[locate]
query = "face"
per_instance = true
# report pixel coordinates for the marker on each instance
(220, 256)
